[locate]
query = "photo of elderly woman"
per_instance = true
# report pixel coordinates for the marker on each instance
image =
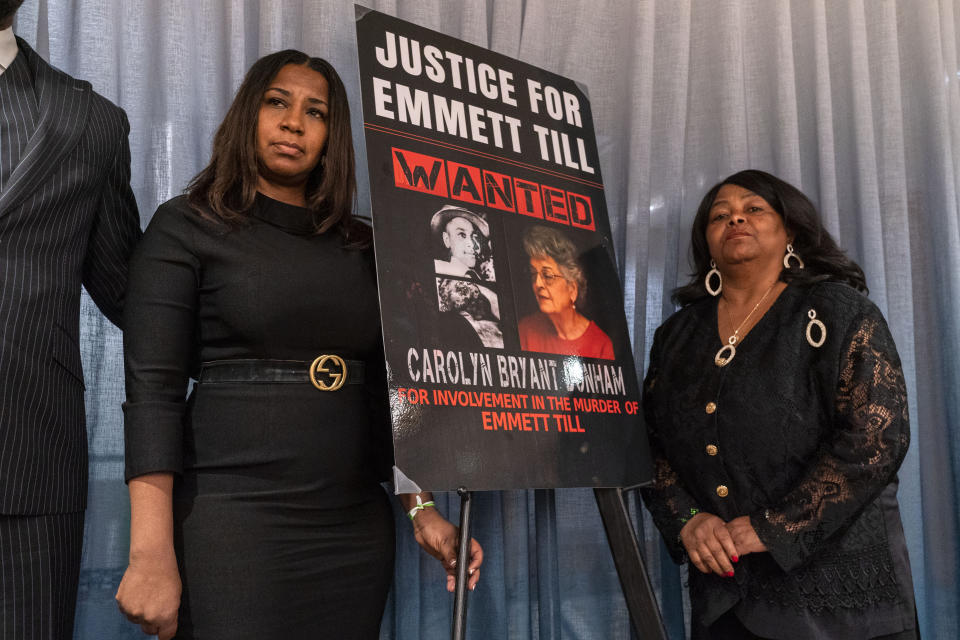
(559, 286)
(467, 307)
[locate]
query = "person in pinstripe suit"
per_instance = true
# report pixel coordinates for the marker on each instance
(67, 217)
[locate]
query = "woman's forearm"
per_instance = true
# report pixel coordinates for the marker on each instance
(151, 514)
(149, 593)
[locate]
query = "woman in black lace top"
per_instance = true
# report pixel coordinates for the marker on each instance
(777, 416)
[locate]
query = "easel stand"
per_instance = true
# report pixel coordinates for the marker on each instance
(463, 561)
(637, 590)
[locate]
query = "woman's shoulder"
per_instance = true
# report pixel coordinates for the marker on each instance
(696, 312)
(533, 322)
(178, 210)
(601, 342)
(845, 312)
(840, 299)
(177, 229)
(170, 211)
(179, 217)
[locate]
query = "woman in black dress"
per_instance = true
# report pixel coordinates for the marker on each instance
(256, 508)
(777, 415)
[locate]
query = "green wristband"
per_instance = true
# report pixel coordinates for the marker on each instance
(420, 506)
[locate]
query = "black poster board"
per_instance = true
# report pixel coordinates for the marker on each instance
(508, 356)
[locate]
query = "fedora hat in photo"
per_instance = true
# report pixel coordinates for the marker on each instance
(441, 218)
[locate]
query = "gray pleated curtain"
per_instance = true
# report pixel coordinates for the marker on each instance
(855, 101)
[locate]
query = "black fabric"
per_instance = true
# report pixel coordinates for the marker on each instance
(726, 627)
(281, 527)
(67, 217)
(809, 443)
(257, 570)
(18, 115)
(729, 627)
(39, 573)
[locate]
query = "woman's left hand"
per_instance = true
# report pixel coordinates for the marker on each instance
(744, 536)
(439, 538)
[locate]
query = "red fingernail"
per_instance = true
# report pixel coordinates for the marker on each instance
(735, 558)
(729, 574)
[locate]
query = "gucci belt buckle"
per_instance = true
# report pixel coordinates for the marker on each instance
(327, 379)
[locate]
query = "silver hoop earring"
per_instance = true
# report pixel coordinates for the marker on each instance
(792, 254)
(816, 344)
(706, 281)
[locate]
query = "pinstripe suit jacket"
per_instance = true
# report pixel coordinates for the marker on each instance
(67, 217)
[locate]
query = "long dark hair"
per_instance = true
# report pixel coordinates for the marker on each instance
(227, 186)
(824, 260)
(7, 9)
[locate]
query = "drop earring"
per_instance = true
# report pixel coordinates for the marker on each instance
(706, 281)
(791, 254)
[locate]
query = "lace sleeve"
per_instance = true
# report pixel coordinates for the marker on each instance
(857, 460)
(669, 502)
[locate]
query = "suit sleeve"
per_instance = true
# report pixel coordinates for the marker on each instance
(115, 232)
(861, 457)
(159, 343)
(669, 501)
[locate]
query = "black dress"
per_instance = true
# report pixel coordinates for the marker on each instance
(804, 440)
(281, 527)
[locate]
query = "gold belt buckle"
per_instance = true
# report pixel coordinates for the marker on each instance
(333, 380)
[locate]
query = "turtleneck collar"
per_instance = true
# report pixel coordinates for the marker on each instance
(288, 217)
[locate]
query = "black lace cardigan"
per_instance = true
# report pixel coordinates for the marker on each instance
(807, 442)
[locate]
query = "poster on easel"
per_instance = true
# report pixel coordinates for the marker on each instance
(509, 361)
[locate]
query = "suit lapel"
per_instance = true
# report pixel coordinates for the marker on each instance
(63, 103)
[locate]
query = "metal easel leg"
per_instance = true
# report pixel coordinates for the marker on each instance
(637, 590)
(463, 560)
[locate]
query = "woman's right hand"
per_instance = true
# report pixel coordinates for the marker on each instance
(149, 594)
(709, 545)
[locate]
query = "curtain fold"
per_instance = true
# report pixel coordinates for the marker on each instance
(857, 103)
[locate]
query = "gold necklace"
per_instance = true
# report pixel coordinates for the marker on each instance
(721, 359)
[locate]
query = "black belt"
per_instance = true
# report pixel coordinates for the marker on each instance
(327, 372)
